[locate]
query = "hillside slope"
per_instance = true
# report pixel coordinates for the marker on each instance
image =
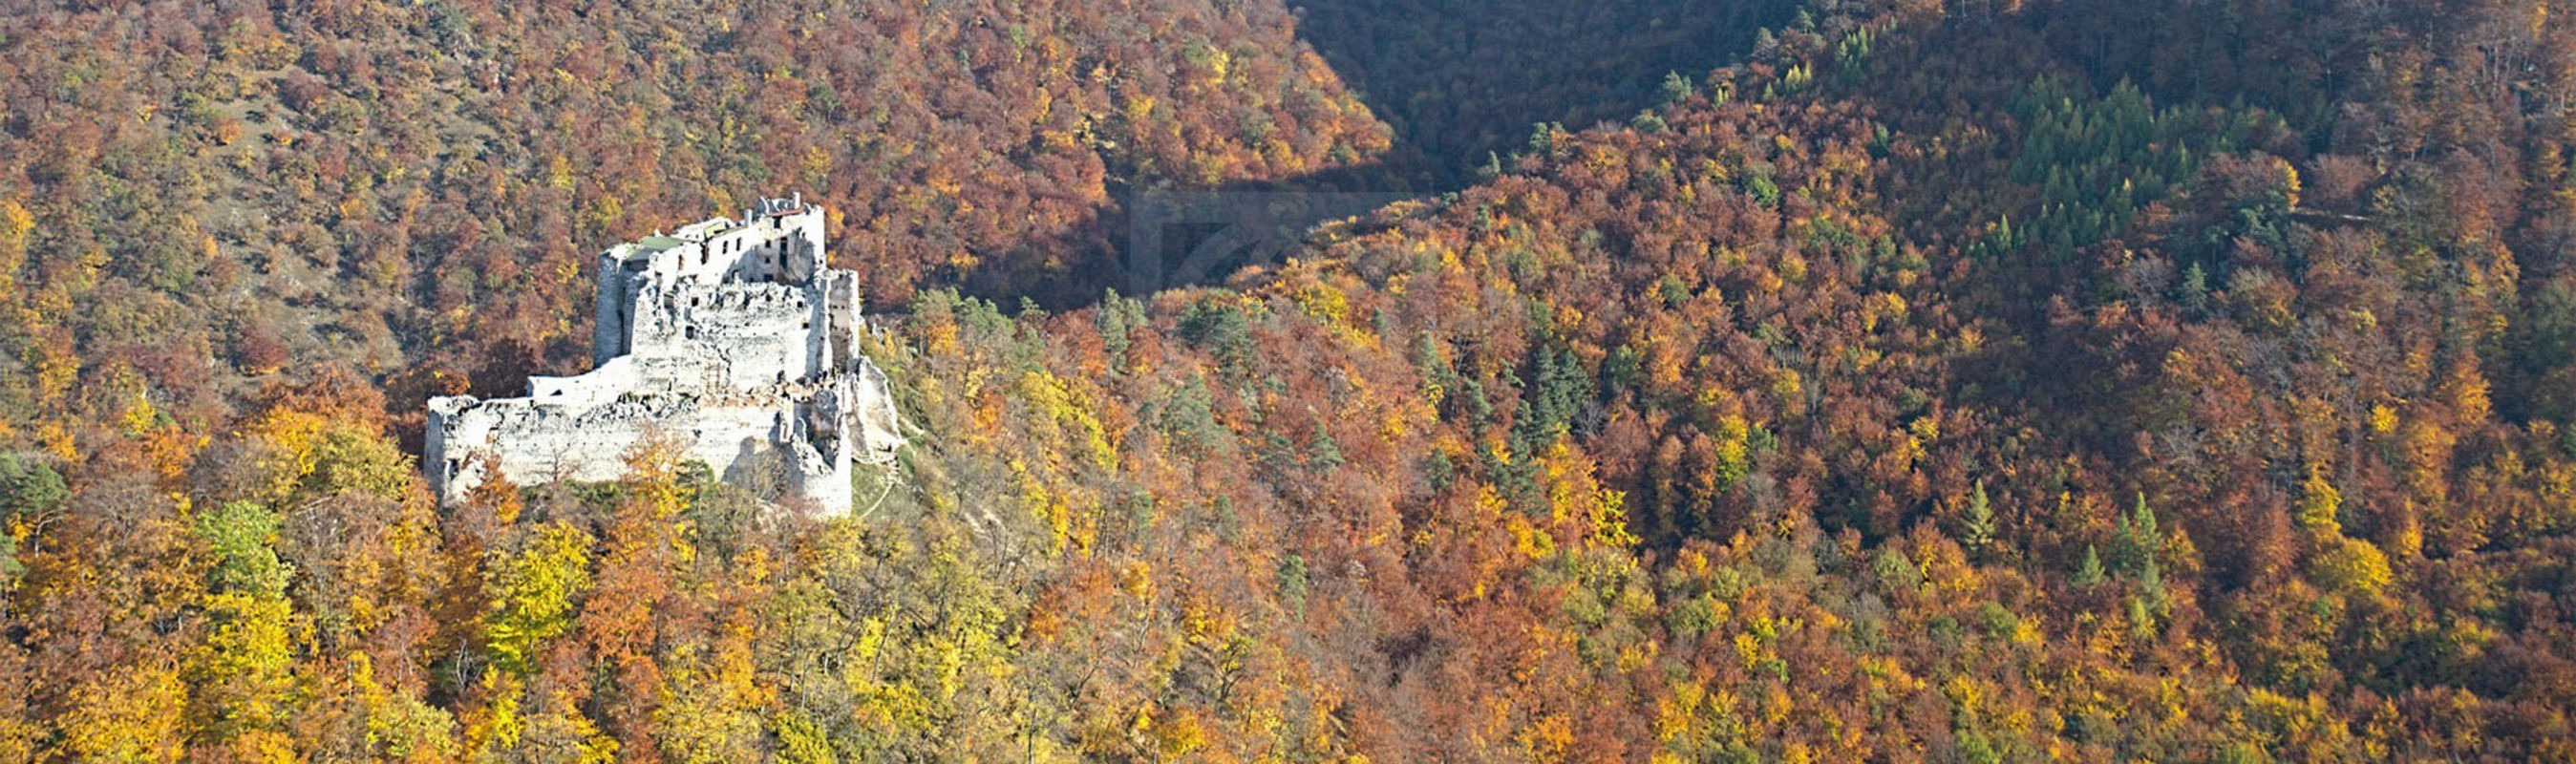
(199, 194)
(1958, 382)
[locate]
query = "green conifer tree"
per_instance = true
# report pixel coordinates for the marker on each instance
(1979, 523)
(2090, 573)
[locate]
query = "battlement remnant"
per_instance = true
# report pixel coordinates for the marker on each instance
(732, 338)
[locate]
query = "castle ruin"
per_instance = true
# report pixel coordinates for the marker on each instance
(729, 337)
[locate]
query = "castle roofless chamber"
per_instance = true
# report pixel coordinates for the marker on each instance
(730, 337)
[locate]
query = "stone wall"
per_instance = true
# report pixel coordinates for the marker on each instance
(751, 440)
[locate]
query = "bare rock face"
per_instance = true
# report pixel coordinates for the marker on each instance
(730, 338)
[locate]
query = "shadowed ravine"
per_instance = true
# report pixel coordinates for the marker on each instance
(1461, 84)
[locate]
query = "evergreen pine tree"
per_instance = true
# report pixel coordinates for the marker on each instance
(2090, 573)
(2151, 584)
(2195, 289)
(2142, 620)
(1980, 520)
(2144, 524)
(1678, 88)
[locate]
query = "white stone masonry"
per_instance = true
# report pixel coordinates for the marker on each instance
(731, 338)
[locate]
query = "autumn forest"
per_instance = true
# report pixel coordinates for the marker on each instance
(1739, 380)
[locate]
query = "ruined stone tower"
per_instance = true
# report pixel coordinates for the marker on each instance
(730, 337)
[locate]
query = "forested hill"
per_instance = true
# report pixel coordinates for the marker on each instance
(1987, 381)
(196, 193)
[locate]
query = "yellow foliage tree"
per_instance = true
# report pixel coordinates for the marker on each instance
(133, 715)
(531, 594)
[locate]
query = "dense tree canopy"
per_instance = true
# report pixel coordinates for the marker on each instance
(1986, 381)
